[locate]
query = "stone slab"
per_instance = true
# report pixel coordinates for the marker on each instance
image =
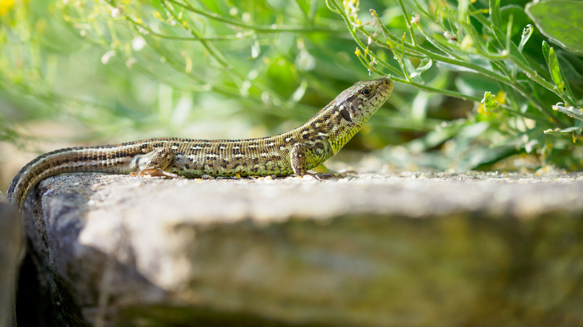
(403, 249)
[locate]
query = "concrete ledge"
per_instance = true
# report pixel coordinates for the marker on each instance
(372, 250)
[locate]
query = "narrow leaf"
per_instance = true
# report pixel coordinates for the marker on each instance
(525, 36)
(462, 9)
(423, 66)
(495, 13)
(568, 130)
(546, 50)
(501, 37)
(567, 89)
(570, 111)
(556, 71)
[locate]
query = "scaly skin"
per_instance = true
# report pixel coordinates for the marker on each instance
(294, 152)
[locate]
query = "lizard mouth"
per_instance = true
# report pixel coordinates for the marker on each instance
(384, 88)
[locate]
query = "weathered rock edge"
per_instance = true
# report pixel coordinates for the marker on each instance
(11, 253)
(391, 250)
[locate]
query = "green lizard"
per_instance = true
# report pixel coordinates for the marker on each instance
(294, 152)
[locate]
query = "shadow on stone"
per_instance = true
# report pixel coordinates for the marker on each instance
(11, 252)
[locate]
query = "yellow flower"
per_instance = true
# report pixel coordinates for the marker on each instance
(6, 6)
(500, 97)
(357, 52)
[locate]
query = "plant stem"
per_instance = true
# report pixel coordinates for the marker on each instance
(258, 28)
(181, 38)
(408, 22)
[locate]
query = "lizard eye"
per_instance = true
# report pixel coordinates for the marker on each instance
(366, 92)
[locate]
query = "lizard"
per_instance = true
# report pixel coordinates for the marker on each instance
(293, 152)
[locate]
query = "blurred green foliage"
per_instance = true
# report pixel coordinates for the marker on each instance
(125, 70)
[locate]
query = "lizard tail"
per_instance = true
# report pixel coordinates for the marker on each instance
(105, 159)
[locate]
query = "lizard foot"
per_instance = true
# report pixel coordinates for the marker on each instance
(325, 176)
(154, 172)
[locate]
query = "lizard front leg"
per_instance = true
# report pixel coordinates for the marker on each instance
(305, 156)
(298, 159)
(153, 163)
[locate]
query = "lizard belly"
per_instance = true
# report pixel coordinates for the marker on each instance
(228, 166)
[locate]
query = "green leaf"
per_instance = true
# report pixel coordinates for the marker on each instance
(501, 37)
(570, 111)
(410, 68)
(424, 65)
(489, 102)
(559, 20)
(462, 9)
(556, 71)
(521, 19)
(525, 36)
(546, 50)
(495, 13)
(563, 131)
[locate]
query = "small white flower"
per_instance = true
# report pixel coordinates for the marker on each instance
(255, 50)
(234, 11)
(131, 62)
(245, 88)
(416, 19)
(369, 40)
(105, 58)
(142, 30)
(115, 12)
(138, 43)
(252, 74)
(305, 61)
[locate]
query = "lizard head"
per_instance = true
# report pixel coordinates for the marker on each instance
(352, 108)
(357, 103)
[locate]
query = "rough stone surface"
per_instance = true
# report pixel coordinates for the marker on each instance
(405, 249)
(11, 251)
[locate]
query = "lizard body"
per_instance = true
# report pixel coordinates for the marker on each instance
(293, 152)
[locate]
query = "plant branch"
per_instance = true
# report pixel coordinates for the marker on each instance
(258, 28)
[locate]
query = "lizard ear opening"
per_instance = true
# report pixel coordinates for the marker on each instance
(346, 115)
